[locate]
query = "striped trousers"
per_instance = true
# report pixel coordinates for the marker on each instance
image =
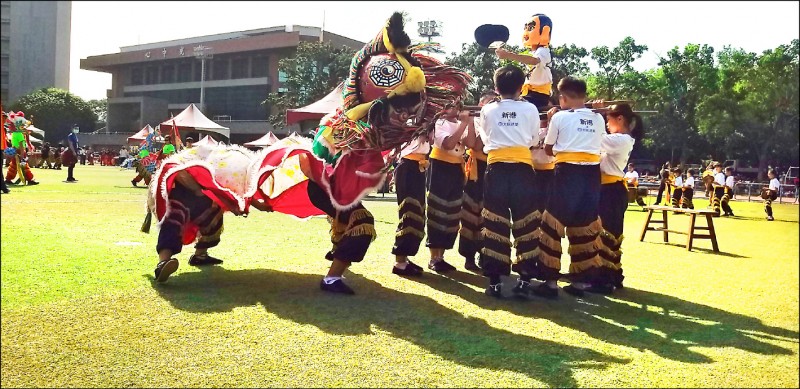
(444, 204)
(410, 186)
(185, 207)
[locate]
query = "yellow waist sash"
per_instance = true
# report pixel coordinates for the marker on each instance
(519, 154)
(577, 157)
(471, 169)
(543, 89)
(609, 179)
(544, 166)
(422, 159)
(443, 155)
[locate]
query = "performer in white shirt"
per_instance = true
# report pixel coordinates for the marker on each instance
(677, 192)
(510, 128)
(728, 191)
(632, 177)
(470, 240)
(770, 193)
(409, 179)
(719, 188)
(688, 190)
(624, 127)
(447, 185)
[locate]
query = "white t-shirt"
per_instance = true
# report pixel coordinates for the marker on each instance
(774, 184)
(123, 153)
(509, 123)
(442, 130)
(614, 152)
(541, 74)
(538, 154)
(416, 146)
(689, 182)
(679, 182)
(576, 131)
(719, 178)
(729, 182)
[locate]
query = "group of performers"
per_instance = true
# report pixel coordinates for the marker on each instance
(540, 179)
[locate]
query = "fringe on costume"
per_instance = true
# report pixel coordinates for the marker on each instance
(494, 254)
(487, 215)
(488, 234)
(527, 219)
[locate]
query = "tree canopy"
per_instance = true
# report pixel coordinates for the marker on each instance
(56, 111)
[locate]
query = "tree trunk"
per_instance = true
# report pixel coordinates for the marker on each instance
(762, 166)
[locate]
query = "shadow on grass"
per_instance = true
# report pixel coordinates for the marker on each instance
(662, 324)
(414, 318)
(701, 249)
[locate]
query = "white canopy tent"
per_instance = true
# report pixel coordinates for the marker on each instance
(207, 140)
(36, 130)
(140, 136)
(191, 117)
(265, 141)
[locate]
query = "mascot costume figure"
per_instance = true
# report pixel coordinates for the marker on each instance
(391, 96)
(20, 144)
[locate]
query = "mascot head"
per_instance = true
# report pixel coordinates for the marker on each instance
(537, 31)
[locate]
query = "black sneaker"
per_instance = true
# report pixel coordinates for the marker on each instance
(9, 182)
(545, 291)
(414, 265)
(165, 268)
(33, 182)
(606, 289)
(133, 182)
(441, 266)
(495, 290)
(337, 286)
(522, 290)
(409, 271)
(574, 291)
(731, 214)
(770, 218)
(203, 260)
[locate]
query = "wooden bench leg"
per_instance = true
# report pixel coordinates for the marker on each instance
(646, 224)
(691, 231)
(666, 226)
(710, 222)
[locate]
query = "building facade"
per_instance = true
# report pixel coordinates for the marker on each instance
(152, 81)
(34, 47)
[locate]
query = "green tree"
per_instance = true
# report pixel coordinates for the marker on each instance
(55, 111)
(568, 60)
(310, 74)
(755, 110)
(100, 108)
(480, 63)
(614, 63)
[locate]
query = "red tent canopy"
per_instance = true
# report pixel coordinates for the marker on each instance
(317, 109)
(140, 136)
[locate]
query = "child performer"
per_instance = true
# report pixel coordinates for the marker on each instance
(728, 191)
(447, 186)
(574, 138)
(719, 188)
(409, 178)
(688, 190)
(677, 193)
(771, 193)
(510, 129)
(470, 239)
(540, 79)
(624, 127)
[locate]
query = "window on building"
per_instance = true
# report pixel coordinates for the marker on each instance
(167, 73)
(198, 70)
(151, 75)
(260, 67)
(239, 68)
(136, 76)
(220, 69)
(185, 72)
(282, 76)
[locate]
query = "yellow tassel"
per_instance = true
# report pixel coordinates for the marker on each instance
(471, 204)
(487, 215)
(487, 234)
(533, 235)
(526, 220)
(576, 249)
(549, 261)
(494, 254)
(437, 226)
(550, 220)
(552, 244)
(432, 198)
(527, 256)
(593, 228)
(411, 231)
(470, 234)
(609, 264)
(470, 217)
(442, 214)
(578, 267)
(410, 201)
(412, 215)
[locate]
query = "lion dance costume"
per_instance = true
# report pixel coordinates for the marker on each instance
(390, 96)
(20, 144)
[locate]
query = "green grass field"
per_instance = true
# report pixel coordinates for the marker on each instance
(79, 307)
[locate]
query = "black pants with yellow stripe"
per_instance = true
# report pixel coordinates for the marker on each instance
(185, 206)
(722, 195)
(444, 203)
(611, 209)
(470, 239)
(572, 211)
(540, 193)
(352, 231)
(508, 207)
(677, 193)
(410, 185)
(773, 195)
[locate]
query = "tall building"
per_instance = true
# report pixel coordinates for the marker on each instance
(34, 47)
(152, 81)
